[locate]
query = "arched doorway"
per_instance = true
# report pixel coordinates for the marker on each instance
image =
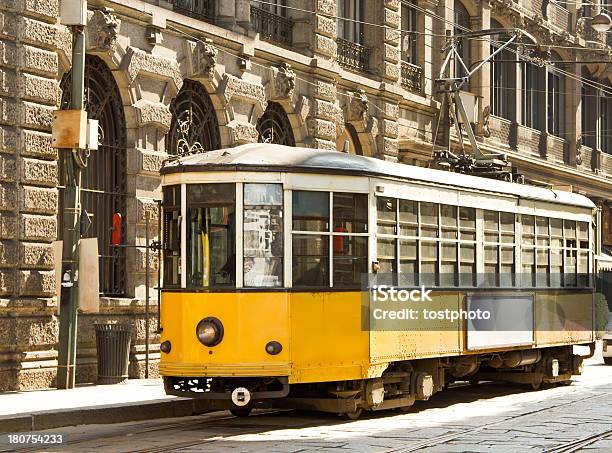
(194, 127)
(274, 126)
(104, 180)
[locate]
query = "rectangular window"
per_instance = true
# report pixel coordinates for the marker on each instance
(386, 214)
(386, 256)
(350, 260)
(310, 260)
(429, 219)
(350, 18)
(263, 235)
(350, 213)
(408, 217)
(211, 232)
(310, 211)
(347, 239)
(408, 264)
(467, 224)
(172, 236)
(350, 253)
(409, 38)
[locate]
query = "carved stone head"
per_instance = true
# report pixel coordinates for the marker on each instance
(103, 28)
(205, 58)
(284, 80)
(357, 106)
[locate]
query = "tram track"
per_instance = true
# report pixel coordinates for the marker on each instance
(221, 421)
(445, 438)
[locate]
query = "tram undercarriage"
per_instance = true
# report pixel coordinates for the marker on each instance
(399, 387)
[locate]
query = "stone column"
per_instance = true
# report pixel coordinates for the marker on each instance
(29, 92)
(226, 13)
(388, 144)
(325, 29)
(390, 36)
(323, 115)
(427, 45)
(480, 82)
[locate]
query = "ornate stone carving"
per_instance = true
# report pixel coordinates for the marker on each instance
(153, 114)
(102, 30)
(137, 61)
(579, 158)
(486, 119)
(283, 82)
(253, 92)
(356, 107)
(204, 59)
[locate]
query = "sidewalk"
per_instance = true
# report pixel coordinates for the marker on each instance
(137, 399)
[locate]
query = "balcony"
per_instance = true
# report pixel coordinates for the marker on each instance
(353, 56)
(272, 27)
(559, 17)
(198, 9)
(412, 77)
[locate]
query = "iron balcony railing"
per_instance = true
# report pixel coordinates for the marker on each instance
(352, 55)
(199, 9)
(272, 27)
(412, 77)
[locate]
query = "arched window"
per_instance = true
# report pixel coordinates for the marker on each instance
(348, 141)
(194, 127)
(104, 180)
(556, 99)
(503, 78)
(463, 23)
(274, 126)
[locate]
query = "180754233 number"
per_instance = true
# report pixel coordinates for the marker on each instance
(35, 438)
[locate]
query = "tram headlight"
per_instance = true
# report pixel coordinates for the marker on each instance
(209, 331)
(274, 347)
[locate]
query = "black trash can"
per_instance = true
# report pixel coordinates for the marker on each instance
(113, 346)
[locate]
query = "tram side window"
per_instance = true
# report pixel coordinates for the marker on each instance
(386, 224)
(583, 253)
(211, 233)
(350, 251)
(263, 235)
(467, 246)
(311, 245)
(172, 236)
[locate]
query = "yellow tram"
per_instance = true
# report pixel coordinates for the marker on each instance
(264, 252)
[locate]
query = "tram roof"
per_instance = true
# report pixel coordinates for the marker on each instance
(271, 157)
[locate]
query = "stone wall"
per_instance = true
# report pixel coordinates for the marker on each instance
(29, 92)
(150, 51)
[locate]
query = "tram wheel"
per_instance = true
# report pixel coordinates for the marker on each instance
(242, 412)
(353, 415)
(536, 385)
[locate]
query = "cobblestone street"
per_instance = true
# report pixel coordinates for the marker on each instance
(487, 417)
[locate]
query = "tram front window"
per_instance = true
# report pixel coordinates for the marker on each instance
(211, 233)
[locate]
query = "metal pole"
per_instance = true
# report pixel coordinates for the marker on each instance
(159, 263)
(69, 299)
(147, 296)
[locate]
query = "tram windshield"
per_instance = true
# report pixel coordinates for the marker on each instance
(211, 233)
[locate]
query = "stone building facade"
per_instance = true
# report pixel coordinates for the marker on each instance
(173, 76)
